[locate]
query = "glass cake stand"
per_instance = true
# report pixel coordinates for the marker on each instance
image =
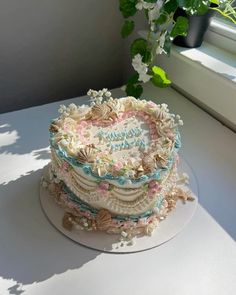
(167, 229)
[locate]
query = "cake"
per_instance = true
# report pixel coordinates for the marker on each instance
(114, 164)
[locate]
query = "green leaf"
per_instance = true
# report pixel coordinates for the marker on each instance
(161, 19)
(134, 90)
(170, 6)
(140, 46)
(127, 28)
(180, 28)
(133, 79)
(160, 78)
(216, 2)
(127, 7)
(194, 6)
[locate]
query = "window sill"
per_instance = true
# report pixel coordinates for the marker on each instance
(222, 34)
(207, 75)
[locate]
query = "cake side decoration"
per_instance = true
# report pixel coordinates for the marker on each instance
(114, 164)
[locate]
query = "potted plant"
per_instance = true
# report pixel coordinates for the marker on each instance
(198, 23)
(164, 25)
(197, 27)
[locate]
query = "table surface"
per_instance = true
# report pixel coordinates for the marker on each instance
(37, 259)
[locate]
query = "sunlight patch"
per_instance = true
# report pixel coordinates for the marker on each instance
(8, 138)
(13, 166)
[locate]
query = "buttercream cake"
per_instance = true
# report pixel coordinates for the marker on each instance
(114, 164)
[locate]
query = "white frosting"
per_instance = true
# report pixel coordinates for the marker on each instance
(121, 137)
(124, 140)
(120, 201)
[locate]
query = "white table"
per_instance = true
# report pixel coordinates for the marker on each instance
(38, 259)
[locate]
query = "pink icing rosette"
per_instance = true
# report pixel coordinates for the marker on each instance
(103, 188)
(153, 188)
(117, 166)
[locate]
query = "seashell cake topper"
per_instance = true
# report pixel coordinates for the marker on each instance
(86, 155)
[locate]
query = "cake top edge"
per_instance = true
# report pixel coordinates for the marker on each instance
(103, 106)
(124, 137)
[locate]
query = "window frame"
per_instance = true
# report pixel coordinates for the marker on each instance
(222, 34)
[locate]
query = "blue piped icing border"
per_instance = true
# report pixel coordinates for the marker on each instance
(120, 179)
(85, 207)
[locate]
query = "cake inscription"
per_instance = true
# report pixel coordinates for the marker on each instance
(122, 136)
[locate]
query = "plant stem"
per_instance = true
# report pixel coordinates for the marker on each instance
(148, 43)
(222, 13)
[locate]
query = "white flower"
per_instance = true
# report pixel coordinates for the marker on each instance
(98, 100)
(181, 123)
(94, 93)
(62, 108)
(161, 43)
(139, 5)
(165, 107)
(144, 5)
(108, 94)
(141, 68)
(154, 13)
(143, 77)
(72, 107)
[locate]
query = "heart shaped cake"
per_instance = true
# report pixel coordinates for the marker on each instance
(114, 164)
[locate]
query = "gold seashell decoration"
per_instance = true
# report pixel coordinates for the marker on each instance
(178, 193)
(53, 128)
(86, 155)
(150, 227)
(103, 219)
(161, 159)
(149, 163)
(184, 195)
(101, 111)
(106, 112)
(139, 171)
(67, 221)
(130, 103)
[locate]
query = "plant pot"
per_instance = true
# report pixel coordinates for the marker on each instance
(198, 25)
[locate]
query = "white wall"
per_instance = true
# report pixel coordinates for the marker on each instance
(55, 49)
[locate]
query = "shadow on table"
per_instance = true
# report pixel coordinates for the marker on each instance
(32, 250)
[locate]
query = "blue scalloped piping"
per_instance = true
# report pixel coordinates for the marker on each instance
(120, 179)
